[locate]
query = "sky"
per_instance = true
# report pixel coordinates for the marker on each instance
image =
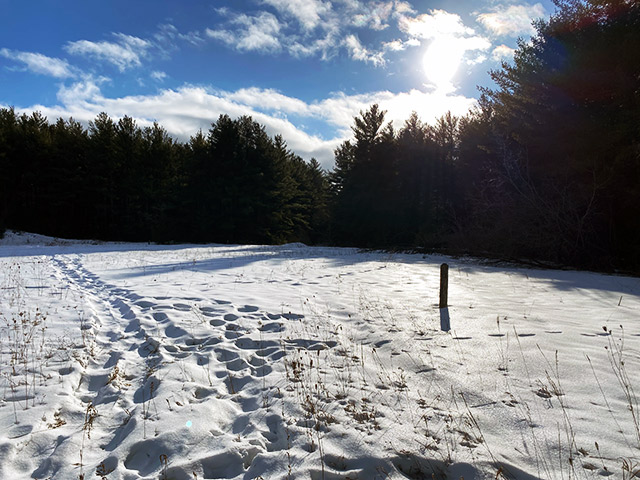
(302, 68)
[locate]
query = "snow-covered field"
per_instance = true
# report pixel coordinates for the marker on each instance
(126, 361)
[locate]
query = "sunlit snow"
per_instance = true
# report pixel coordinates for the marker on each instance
(128, 361)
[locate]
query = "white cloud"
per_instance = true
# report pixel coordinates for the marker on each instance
(41, 64)
(168, 34)
(81, 93)
(267, 99)
(502, 52)
(514, 20)
(434, 25)
(400, 45)
(374, 15)
(264, 32)
(394, 45)
(309, 13)
(444, 27)
(403, 8)
(224, 36)
(325, 45)
(253, 33)
(358, 52)
(158, 76)
(477, 60)
(304, 28)
(126, 53)
(168, 39)
(186, 110)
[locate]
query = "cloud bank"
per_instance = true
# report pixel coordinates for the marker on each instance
(514, 20)
(186, 110)
(126, 52)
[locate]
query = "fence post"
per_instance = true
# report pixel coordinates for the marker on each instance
(444, 285)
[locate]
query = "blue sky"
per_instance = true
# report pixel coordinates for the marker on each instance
(302, 68)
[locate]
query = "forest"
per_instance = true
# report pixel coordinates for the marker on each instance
(546, 168)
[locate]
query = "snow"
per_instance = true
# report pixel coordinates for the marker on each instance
(127, 361)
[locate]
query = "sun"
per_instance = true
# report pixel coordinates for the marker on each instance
(441, 62)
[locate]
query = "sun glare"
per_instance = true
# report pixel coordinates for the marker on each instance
(441, 62)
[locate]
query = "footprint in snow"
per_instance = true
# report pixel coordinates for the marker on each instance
(17, 431)
(160, 316)
(224, 355)
(145, 304)
(183, 307)
(201, 392)
(96, 382)
(272, 327)
(133, 326)
(237, 365)
(266, 352)
(236, 384)
(174, 332)
(149, 347)
(257, 361)
(263, 371)
(114, 357)
(144, 456)
(251, 344)
(127, 427)
(233, 335)
(248, 309)
(250, 404)
(147, 391)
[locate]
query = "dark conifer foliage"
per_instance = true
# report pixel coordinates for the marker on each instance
(117, 181)
(395, 189)
(365, 185)
(559, 142)
(546, 168)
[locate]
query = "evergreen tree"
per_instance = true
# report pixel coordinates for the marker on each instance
(418, 196)
(365, 182)
(103, 169)
(69, 214)
(9, 167)
(159, 162)
(565, 125)
(200, 194)
(128, 150)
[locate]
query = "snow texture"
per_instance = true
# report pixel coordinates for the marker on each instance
(129, 361)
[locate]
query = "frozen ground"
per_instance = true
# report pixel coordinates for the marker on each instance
(127, 361)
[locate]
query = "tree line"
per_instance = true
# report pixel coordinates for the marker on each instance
(546, 168)
(117, 181)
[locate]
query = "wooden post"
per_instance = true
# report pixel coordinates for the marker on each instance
(444, 285)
